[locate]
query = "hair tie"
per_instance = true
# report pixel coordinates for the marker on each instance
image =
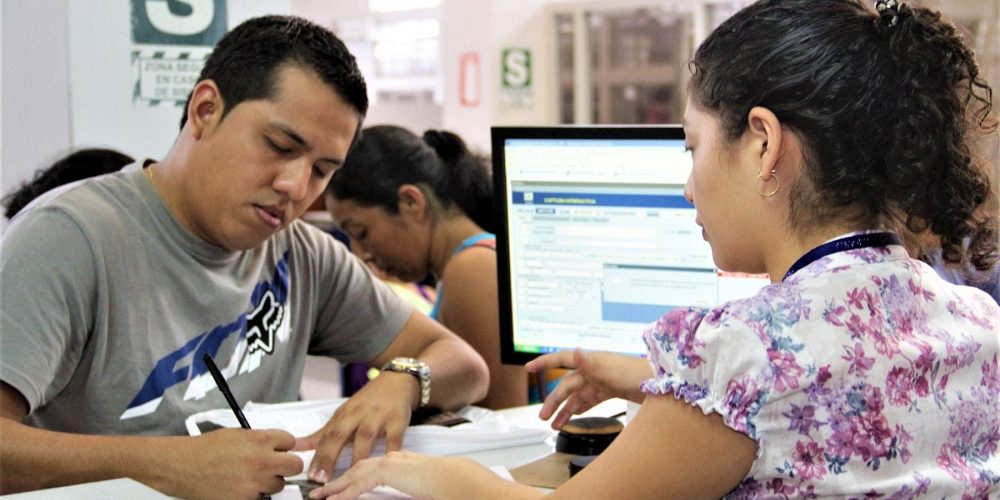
(888, 9)
(447, 146)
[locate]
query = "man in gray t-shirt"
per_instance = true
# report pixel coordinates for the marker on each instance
(114, 289)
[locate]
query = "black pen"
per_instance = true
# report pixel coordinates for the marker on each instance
(224, 387)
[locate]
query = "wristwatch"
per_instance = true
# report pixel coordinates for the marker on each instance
(416, 368)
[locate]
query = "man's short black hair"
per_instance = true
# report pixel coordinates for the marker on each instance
(246, 62)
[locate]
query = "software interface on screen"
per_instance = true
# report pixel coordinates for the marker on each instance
(601, 242)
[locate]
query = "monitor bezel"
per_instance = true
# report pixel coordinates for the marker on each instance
(498, 136)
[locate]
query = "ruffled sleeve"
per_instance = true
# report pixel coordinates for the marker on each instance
(712, 360)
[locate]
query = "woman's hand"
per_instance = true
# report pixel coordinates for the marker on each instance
(596, 377)
(402, 470)
(422, 476)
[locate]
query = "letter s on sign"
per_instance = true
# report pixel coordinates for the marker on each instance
(516, 72)
(202, 12)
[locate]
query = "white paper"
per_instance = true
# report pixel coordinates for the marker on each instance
(291, 492)
(487, 430)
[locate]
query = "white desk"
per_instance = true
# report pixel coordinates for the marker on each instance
(525, 416)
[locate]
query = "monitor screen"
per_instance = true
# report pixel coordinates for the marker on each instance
(596, 239)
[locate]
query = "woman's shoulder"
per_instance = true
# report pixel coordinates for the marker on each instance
(468, 292)
(694, 336)
(474, 264)
(741, 338)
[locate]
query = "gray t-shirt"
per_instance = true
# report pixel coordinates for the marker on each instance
(107, 305)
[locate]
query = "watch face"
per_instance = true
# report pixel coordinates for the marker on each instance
(414, 366)
(407, 363)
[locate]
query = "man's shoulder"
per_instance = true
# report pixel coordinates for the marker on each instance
(101, 208)
(93, 193)
(300, 233)
(307, 243)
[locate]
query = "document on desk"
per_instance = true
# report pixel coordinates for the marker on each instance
(486, 429)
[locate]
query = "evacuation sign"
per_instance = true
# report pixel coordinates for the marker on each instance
(516, 92)
(515, 68)
(172, 39)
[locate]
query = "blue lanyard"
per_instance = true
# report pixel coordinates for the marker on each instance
(853, 242)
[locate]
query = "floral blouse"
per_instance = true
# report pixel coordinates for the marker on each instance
(864, 374)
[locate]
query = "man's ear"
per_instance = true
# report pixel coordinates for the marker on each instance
(411, 201)
(765, 136)
(204, 108)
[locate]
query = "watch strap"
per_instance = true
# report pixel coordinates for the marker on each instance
(418, 369)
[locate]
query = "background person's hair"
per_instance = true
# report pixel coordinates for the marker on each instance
(73, 167)
(386, 157)
(246, 61)
(887, 111)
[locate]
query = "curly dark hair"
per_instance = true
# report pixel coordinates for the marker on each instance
(77, 165)
(886, 104)
(246, 61)
(386, 157)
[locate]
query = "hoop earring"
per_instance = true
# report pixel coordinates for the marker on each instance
(758, 185)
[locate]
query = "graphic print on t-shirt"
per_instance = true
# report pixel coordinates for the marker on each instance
(263, 323)
(259, 332)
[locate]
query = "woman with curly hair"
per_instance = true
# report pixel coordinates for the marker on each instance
(823, 134)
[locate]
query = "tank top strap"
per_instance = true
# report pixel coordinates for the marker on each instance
(487, 240)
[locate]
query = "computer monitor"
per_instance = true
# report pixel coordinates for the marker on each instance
(596, 239)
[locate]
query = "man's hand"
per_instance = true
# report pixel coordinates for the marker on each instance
(381, 408)
(596, 377)
(230, 463)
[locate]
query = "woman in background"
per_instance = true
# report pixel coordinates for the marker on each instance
(75, 166)
(820, 132)
(419, 205)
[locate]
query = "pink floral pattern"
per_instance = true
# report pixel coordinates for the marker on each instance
(864, 374)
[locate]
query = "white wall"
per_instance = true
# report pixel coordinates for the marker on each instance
(35, 89)
(1, 101)
(1, 98)
(349, 19)
(527, 24)
(102, 113)
(487, 28)
(417, 117)
(466, 28)
(327, 13)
